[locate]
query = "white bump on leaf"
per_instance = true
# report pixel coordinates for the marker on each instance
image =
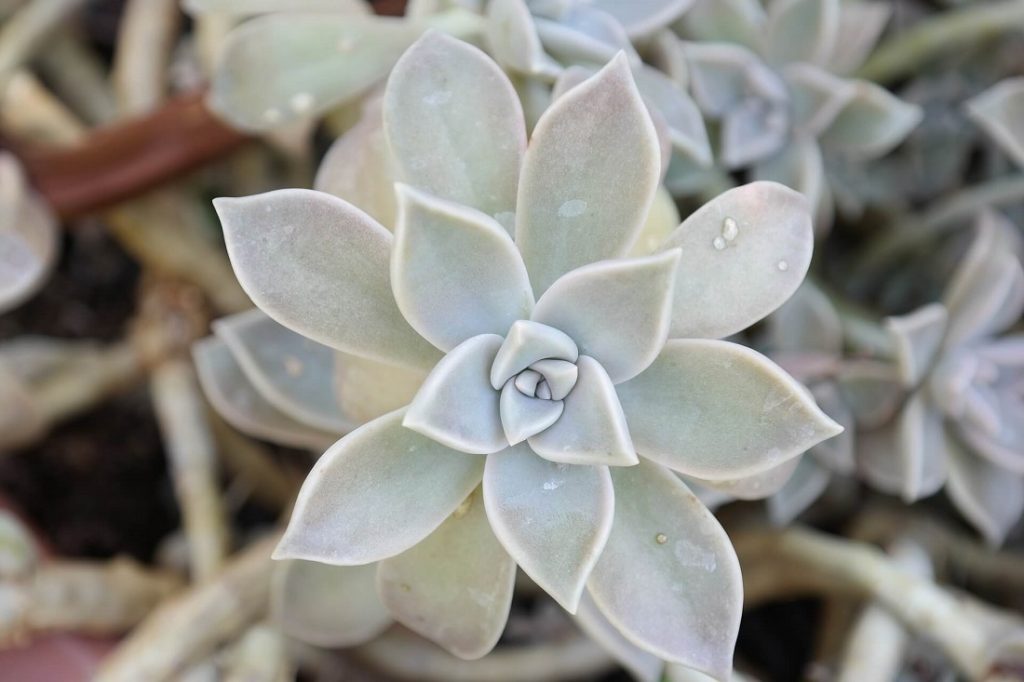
(668, 577)
(722, 291)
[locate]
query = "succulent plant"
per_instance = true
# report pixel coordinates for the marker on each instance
(565, 383)
(29, 242)
(998, 112)
(961, 424)
(775, 79)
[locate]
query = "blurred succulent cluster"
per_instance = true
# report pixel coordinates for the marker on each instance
(587, 303)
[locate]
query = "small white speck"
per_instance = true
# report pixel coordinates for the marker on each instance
(782, 266)
(572, 208)
(718, 243)
(302, 102)
(552, 485)
(272, 116)
(730, 229)
(661, 538)
(438, 97)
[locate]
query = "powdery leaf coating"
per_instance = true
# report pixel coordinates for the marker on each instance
(861, 23)
(241, 405)
(720, 75)
(617, 311)
(589, 177)
(319, 266)
(583, 34)
(816, 96)
(455, 271)
(801, 30)
(681, 114)
(1000, 113)
(871, 389)
(752, 131)
(641, 18)
(806, 323)
(726, 284)
(375, 493)
(290, 371)
(553, 519)
(668, 577)
(592, 429)
(455, 124)
(718, 410)
(526, 343)
(642, 665)
(725, 21)
(799, 165)
(282, 67)
(457, 405)
(454, 587)
(359, 169)
(872, 123)
(918, 336)
(327, 606)
(990, 497)
(523, 416)
(29, 238)
(512, 37)
(758, 486)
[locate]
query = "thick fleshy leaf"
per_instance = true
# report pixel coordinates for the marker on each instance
(583, 34)
(560, 376)
(991, 498)
(523, 416)
(376, 493)
(319, 266)
(801, 30)
(918, 337)
(871, 389)
(455, 124)
(816, 96)
(29, 239)
(641, 18)
(455, 271)
(805, 486)
(872, 123)
(592, 428)
(552, 518)
(663, 218)
(457, 405)
(718, 410)
(806, 323)
(861, 22)
(754, 130)
(455, 587)
(685, 123)
(358, 168)
(664, 51)
(327, 606)
(1000, 113)
(236, 400)
(986, 293)
(526, 343)
(512, 37)
(282, 67)
(367, 389)
(908, 456)
(725, 21)
(744, 253)
(721, 76)
(757, 486)
(589, 177)
(642, 665)
(617, 311)
(668, 577)
(291, 372)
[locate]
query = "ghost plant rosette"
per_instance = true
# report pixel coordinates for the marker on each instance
(567, 385)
